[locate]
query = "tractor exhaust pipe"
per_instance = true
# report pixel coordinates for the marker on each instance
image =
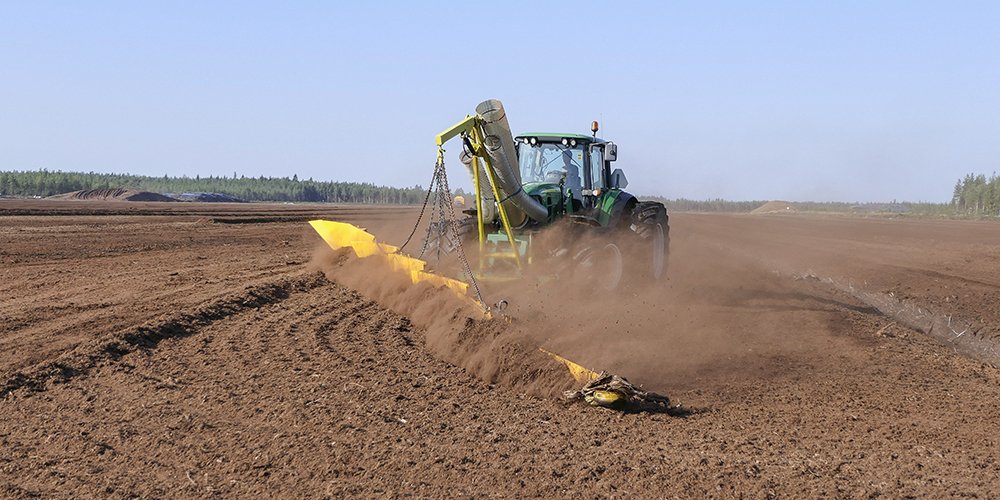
(499, 144)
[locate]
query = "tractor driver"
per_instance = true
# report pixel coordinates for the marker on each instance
(573, 180)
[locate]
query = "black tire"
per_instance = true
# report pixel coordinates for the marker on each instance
(651, 224)
(441, 241)
(600, 266)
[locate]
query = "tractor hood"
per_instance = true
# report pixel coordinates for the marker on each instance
(542, 189)
(549, 194)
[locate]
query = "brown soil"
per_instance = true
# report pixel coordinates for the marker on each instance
(112, 194)
(196, 350)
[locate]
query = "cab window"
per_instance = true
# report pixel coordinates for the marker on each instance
(597, 167)
(552, 162)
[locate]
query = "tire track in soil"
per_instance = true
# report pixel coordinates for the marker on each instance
(80, 360)
(283, 391)
(96, 296)
(335, 325)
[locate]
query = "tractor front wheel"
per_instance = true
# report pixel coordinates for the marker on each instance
(651, 224)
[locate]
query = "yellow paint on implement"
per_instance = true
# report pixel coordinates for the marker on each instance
(581, 374)
(342, 235)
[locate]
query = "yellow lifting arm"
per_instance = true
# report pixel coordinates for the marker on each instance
(469, 126)
(457, 129)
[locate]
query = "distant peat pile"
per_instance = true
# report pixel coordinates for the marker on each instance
(775, 207)
(112, 194)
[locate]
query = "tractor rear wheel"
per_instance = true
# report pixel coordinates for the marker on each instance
(651, 223)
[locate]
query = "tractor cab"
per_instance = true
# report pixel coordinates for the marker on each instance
(568, 173)
(528, 182)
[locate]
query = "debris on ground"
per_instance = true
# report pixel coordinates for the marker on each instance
(612, 391)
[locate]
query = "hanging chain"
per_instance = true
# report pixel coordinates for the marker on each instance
(446, 224)
(427, 197)
(452, 223)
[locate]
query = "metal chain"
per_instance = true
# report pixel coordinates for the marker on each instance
(431, 226)
(446, 200)
(427, 198)
(443, 200)
(446, 220)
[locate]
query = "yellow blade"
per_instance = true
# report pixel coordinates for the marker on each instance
(581, 374)
(343, 235)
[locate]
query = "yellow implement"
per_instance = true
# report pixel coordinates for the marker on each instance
(342, 235)
(581, 374)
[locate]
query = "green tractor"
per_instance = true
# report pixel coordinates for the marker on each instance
(550, 201)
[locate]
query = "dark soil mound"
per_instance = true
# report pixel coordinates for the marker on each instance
(112, 194)
(208, 197)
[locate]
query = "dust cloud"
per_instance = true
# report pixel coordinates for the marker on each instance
(720, 316)
(455, 330)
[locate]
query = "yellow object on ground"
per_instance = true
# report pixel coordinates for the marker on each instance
(581, 374)
(602, 398)
(343, 235)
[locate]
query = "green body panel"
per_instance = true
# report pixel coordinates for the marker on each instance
(606, 204)
(542, 189)
(550, 195)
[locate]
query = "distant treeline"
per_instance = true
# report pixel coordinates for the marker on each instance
(974, 195)
(977, 195)
(45, 183)
(719, 205)
(716, 205)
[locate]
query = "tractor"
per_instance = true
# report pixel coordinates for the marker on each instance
(551, 199)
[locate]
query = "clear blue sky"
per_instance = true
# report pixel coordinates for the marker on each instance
(838, 100)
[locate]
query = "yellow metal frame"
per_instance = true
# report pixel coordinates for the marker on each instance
(470, 127)
(481, 231)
